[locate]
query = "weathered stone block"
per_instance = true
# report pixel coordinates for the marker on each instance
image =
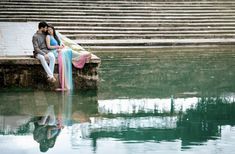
(29, 73)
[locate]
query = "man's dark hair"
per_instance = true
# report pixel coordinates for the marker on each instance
(42, 24)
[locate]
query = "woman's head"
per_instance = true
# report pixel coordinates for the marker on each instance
(51, 31)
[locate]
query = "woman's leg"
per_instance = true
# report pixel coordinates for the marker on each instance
(68, 64)
(80, 59)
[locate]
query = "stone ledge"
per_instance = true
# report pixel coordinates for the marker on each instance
(27, 72)
(33, 61)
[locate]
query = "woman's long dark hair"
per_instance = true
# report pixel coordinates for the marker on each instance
(54, 34)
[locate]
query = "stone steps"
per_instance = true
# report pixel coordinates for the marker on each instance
(159, 41)
(116, 37)
(150, 31)
(126, 16)
(127, 21)
(94, 23)
(97, 17)
(155, 45)
(127, 12)
(127, 7)
(124, 1)
(123, 6)
(106, 5)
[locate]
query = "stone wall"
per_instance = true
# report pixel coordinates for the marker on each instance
(26, 72)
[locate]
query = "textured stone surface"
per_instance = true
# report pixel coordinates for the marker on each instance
(111, 24)
(16, 38)
(28, 73)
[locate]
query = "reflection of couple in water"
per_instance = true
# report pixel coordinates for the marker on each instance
(48, 47)
(47, 128)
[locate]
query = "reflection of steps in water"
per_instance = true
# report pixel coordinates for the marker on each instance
(120, 124)
(122, 113)
(15, 124)
(155, 105)
(200, 121)
(79, 133)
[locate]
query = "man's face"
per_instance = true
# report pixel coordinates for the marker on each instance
(44, 29)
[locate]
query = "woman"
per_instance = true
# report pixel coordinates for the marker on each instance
(64, 58)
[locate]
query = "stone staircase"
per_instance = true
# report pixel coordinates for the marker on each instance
(131, 24)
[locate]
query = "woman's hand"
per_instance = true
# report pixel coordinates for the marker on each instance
(60, 47)
(59, 50)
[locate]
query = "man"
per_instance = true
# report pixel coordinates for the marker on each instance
(42, 53)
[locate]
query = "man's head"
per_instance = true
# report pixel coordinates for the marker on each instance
(43, 26)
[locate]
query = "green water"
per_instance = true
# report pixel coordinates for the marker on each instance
(147, 102)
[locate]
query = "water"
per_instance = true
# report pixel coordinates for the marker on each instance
(146, 102)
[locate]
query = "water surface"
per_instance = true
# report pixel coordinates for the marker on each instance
(178, 101)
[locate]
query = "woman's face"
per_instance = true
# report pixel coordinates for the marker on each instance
(50, 30)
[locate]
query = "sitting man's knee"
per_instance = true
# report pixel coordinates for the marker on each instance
(40, 57)
(51, 56)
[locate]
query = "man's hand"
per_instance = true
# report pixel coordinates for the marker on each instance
(46, 56)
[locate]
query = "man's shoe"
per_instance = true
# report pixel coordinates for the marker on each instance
(51, 79)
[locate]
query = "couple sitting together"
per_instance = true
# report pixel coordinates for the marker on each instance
(48, 47)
